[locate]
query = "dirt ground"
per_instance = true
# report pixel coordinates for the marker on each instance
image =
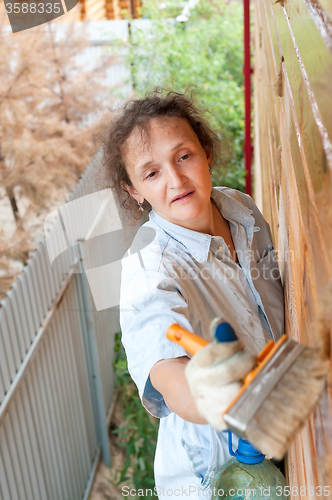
(103, 487)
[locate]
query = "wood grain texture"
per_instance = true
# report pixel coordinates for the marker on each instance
(293, 168)
(95, 10)
(109, 9)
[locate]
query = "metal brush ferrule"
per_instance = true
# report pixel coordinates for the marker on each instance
(246, 407)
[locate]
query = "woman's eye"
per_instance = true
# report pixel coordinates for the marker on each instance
(185, 157)
(152, 174)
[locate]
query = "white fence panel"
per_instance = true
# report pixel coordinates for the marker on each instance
(52, 410)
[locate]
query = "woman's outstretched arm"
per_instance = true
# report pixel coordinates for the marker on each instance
(167, 377)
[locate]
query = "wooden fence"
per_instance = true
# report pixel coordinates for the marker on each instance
(293, 167)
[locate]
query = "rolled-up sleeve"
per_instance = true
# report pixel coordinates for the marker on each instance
(150, 302)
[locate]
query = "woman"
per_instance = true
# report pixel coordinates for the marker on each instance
(212, 256)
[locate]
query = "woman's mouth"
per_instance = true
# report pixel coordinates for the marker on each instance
(181, 198)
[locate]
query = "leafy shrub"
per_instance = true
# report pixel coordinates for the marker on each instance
(205, 52)
(138, 435)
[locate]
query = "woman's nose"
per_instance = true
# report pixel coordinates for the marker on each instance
(176, 176)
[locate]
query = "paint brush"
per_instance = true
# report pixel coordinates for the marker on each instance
(277, 396)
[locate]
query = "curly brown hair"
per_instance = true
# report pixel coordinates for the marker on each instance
(137, 113)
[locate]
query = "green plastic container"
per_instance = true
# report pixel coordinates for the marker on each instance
(247, 476)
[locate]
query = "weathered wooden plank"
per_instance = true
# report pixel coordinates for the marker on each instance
(307, 148)
(117, 10)
(93, 4)
(326, 5)
(303, 178)
(296, 191)
(306, 100)
(315, 62)
(95, 10)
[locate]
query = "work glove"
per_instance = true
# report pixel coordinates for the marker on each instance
(215, 376)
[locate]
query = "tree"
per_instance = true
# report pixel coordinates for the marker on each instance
(47, 100)
(207, 52)
(13, 249)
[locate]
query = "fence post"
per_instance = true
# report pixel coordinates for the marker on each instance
(94, 362)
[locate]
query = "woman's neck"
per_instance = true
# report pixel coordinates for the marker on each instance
(210, 222)
(219, 224)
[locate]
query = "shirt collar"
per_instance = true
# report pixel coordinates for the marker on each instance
(198, 244)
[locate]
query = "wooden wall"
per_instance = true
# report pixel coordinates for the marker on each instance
(96, 10)
(119, 9)
(293, 167)
(99, 10)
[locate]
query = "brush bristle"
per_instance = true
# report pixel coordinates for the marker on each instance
(295, 396)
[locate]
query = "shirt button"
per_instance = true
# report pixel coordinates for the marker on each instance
(220, 248)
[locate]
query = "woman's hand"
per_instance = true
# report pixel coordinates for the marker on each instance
(215, 376)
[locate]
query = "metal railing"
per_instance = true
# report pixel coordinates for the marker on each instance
(56, 377)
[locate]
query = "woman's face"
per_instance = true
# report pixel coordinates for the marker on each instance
(170, 169)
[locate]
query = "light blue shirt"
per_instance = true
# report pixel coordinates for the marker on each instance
(188, 277)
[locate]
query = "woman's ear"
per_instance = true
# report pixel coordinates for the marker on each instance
(208, 154)
(131, 190)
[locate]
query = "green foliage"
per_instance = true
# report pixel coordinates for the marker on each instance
(138, 435)
(206, 52)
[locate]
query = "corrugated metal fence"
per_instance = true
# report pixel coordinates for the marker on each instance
(56, 375)
(56, 348)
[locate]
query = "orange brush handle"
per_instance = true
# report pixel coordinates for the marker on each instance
(190, 341)
(193, 343)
